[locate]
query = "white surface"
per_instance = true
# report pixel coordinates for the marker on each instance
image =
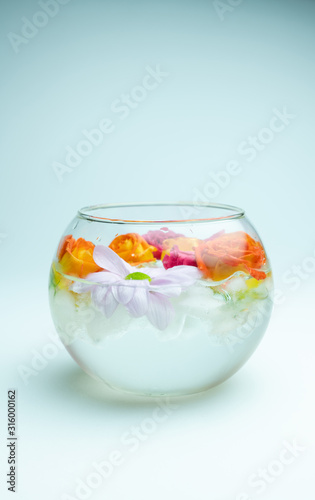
(207, 447)
(225, 80)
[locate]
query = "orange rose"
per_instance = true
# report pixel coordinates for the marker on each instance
(76, 257)
(222, 256)
(133, 248)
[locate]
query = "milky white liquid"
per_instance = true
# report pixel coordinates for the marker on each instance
(210, 337)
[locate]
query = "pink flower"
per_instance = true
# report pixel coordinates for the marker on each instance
(156, 239)
(179, 258)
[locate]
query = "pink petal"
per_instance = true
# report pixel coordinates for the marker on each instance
(160, 311)
(107, 259)
(157, 237)
(177, 257)
(139, 303)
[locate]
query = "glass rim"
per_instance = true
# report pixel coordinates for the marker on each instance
(237, 212)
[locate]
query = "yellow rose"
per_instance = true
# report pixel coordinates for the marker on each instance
(76, 257)
(133, 248)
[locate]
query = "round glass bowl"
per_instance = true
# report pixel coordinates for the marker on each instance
(160, 299)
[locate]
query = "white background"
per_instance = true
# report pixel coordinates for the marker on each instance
(227, 71)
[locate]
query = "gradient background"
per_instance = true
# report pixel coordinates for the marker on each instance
(225, 77)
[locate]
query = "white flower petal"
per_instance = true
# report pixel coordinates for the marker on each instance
(123, 293)
(166, 288)
(183, 275)
(109, 304)
(151, 271)
(139, 303)
(103, 277)
(97, 294)
(106, 258)
(160, 311)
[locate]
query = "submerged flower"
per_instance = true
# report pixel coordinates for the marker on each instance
(184, 244)
(181, 251)
(133, 248)
(143, 293)
(178, 251)
(177, 257)
(76, 257)
(222, 256)
(157, 238)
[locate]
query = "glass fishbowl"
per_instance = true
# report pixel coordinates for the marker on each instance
(160, 298)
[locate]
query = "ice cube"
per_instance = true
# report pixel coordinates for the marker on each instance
(198, 302)
(235, 284)
(194, 326)
(100, 327)
(65, 314)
